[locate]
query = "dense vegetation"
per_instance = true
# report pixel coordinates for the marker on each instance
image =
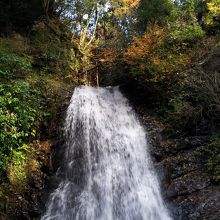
(158, 48)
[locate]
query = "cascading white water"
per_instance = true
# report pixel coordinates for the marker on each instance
(107, 169)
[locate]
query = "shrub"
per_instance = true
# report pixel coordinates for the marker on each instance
(206, 89)
(212, 18)
(18, 113)
(13, 65)
(17, 169)
(51, 48)
(188, 33)
(152, 58)
(211, 153)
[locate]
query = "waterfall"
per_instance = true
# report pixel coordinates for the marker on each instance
(107, 173)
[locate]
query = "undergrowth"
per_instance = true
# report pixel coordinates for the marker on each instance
(210, 152)
(35, 76)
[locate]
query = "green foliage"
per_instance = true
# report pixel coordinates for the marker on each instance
(195, 98)
(211, 153)
(205, 89)
(29, 95)
(12, 64)
(50, 53)
(188, 10)
(212, 18)
(182, 111)
(18, 170)
(190, 34)
(18, 113)
(151, 11)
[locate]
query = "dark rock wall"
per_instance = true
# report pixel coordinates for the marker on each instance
(185, 182)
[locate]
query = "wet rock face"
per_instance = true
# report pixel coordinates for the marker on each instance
(185, 181)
